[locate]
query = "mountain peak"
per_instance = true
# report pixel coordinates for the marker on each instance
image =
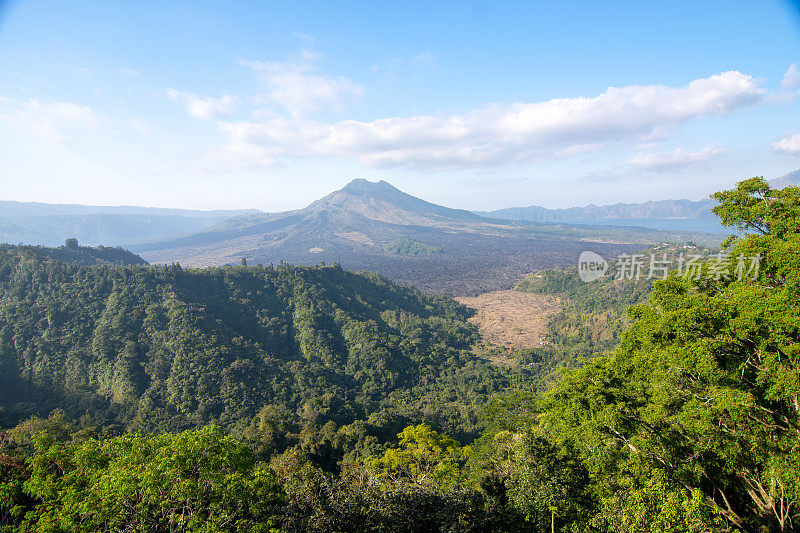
(362, 186)
(382, 200)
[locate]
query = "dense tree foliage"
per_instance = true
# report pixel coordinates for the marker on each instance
(423, 457)
(317, 355)
(192, 481)
(691, 424)
(73, 253)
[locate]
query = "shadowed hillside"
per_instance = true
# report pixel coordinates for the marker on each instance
(160, 348)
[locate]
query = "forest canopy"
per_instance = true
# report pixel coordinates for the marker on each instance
(342, 402)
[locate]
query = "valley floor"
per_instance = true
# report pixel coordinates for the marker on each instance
(512, 319)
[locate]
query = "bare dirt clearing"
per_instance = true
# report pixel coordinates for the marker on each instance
(512, 319)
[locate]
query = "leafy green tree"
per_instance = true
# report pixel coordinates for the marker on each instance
(546, 483)
(13, 501)
(193, 481)
(423, 456)
(702, 393)
(355, 500)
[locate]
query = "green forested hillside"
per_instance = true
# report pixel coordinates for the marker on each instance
(163, 348)
(690, 424)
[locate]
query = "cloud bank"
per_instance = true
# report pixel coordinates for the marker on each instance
(495, 134)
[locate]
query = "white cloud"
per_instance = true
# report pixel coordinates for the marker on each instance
(296, 85)
(791, 80)
(140, 126)
(205, 108)
(49, 120)
(789, 145)
(495, 134)
(675, 160)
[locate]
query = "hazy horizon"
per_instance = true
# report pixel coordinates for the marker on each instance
(296, 207)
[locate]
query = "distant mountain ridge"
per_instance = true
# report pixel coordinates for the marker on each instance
(378, 201)
(657, 214)
(360, 206)
(664, 209)
(14, 208)
(50, 224)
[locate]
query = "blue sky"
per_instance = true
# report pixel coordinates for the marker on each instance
(474, 105)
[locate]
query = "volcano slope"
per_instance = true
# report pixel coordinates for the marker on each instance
(461, 253)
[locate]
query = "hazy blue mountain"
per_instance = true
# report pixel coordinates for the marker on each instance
(684, 215)
(382, 201)
(49, 224)
(680, 215)
(12, 208)
(792, 179)
(677, 209)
